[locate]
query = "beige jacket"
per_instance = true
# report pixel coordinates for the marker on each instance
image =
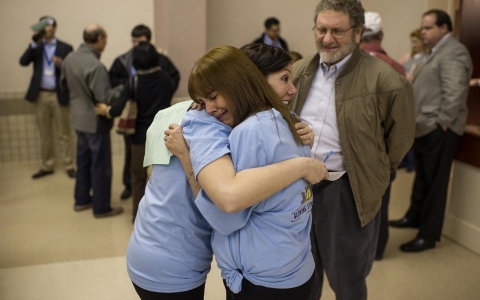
(375, 119)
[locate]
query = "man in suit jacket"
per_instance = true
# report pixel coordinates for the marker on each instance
(440, 87)
(272, 35)
(119, 73)
(50, 101)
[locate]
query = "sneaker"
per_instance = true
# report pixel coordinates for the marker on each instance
(115, 211)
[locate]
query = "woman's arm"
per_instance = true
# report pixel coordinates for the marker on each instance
(176, 144)
(232, 191)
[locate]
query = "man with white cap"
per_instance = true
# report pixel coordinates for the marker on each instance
(361, 111)
(370, 42)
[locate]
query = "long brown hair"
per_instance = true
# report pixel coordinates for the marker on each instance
(229, 72)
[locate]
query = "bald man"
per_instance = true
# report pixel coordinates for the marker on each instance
(88, 83)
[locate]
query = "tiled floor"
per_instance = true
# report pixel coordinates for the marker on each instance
(47, 251)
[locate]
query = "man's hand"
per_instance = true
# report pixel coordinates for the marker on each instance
(305, 132)
(57, 60)
(175, 142)
(101, 109)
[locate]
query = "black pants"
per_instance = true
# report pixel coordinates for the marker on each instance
(126, 165)
(383, 231)
(340, 245)
(433, 161)
(195, 294)
(255, 292)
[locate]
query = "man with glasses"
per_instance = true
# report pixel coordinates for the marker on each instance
(361, 109)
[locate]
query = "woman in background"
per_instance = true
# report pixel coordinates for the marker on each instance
(413, 59)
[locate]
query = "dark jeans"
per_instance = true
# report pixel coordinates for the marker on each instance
(195, 294)
(255, 292)
(340, 245)
(126, 164)
(433, 158)
(94, 171)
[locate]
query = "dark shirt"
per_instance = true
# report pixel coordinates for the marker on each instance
(154, 92)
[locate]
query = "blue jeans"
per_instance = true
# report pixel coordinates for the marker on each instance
(94, 171)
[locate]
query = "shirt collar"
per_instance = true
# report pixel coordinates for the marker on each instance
(435, 48)
(52, 42)
(267, 40)
(336, 67)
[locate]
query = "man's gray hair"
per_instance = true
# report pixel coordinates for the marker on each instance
(353, 8)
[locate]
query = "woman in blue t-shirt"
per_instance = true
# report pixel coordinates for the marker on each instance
(263, 251)
(169, 253)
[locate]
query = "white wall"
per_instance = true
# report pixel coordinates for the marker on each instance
(16, 16)
(462, 218)
(239, 22)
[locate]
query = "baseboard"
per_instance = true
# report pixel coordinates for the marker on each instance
(462, 232)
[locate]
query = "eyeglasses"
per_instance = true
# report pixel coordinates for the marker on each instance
(336, 33)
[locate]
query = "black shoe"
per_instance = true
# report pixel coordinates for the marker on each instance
(115, 211)
(403, 223)
(417, 245)
(71, 173)
(127, 192)
(82, 207)
(41, 173)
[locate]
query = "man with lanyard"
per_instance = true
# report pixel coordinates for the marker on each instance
(272, 35)
(119, 73)
(51, 103)
(361, 110)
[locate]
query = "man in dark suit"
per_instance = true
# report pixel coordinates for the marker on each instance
(119, 73)
(271, 36)
(51, 103)
(440, 87)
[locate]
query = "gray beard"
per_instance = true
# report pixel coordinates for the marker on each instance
(341, 53)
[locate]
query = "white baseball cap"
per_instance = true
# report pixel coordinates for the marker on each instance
(373, 23)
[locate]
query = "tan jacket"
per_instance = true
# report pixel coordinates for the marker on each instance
(375, 119)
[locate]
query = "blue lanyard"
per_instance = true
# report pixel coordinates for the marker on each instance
(49, 60)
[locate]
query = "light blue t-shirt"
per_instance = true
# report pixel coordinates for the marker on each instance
(268, 243)
(169, 250)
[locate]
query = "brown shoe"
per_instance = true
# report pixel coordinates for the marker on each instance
(82, 207)
(71, 173)
(115, 211)
(41, 173)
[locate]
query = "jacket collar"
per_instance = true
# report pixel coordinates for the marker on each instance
(352, 63)
(89, 49)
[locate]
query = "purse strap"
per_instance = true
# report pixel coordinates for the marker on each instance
(133, 87)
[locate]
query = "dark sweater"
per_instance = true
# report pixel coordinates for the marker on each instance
(154, 92)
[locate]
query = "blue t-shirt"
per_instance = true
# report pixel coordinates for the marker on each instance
(169, 250)
(268, 243)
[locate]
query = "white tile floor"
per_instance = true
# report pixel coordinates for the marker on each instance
(47, 251)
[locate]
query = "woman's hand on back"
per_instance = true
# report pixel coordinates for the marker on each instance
(305, 132)
(175, 142)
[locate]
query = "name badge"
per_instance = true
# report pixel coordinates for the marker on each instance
(49, 72)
